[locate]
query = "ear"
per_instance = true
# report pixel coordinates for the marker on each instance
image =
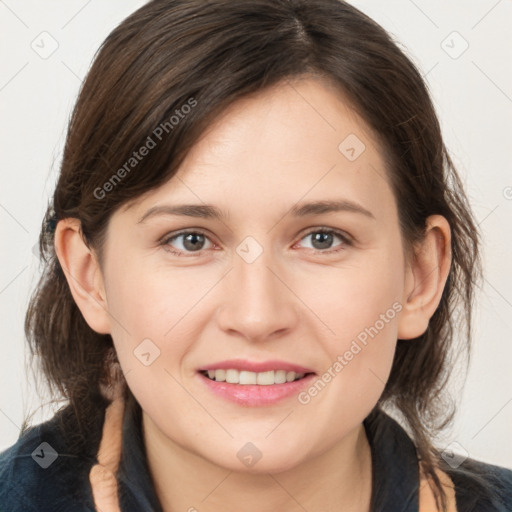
(83, 274)
(425, 278)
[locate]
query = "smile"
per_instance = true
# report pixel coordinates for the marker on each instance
(244, 377)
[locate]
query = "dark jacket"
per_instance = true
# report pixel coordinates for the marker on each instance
(39, 473)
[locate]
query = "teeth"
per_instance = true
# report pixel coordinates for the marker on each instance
(265, 378)
(247, 377)
(232, 376)
(243, 377)
(280, 377)
(220, 375)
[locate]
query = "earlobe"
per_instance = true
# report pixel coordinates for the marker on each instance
(425, 278)
(83, 274)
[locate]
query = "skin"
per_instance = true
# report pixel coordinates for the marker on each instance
(294, 303)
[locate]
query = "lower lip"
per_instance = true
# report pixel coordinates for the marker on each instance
(252, 395)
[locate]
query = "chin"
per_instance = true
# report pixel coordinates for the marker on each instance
(249, 459)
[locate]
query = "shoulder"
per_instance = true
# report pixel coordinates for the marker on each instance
(480, 486)
(38, 473)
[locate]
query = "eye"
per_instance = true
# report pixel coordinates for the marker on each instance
(323, 238)
(195, 241)
(187, 241)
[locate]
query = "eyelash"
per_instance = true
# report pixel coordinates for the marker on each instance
(346, 240)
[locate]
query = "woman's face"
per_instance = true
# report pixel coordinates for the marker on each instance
(259, 289)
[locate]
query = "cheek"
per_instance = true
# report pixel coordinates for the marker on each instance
(156, 317)
(148, 333)
(361, 307)
(139, 317)
(351, 299)
(153, 301)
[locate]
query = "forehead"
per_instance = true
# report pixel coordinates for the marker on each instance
(299, 140)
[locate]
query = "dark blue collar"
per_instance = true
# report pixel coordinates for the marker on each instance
(395, 474)
(395, 469)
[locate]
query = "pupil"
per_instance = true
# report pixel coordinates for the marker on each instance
(193, 241)
(322, 240)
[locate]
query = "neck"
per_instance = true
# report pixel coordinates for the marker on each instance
(184, 481)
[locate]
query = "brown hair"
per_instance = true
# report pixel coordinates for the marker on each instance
(172, 53)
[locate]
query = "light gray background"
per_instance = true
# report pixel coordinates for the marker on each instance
(472, 92)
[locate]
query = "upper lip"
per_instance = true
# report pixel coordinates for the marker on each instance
(257, 367)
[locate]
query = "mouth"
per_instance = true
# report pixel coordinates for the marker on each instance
(255, 384)
(246, 378)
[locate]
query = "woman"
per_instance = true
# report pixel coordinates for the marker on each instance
(256, 245)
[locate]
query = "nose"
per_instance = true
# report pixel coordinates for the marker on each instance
(259, 303)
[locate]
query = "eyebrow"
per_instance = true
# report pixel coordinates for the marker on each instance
(207, 211)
